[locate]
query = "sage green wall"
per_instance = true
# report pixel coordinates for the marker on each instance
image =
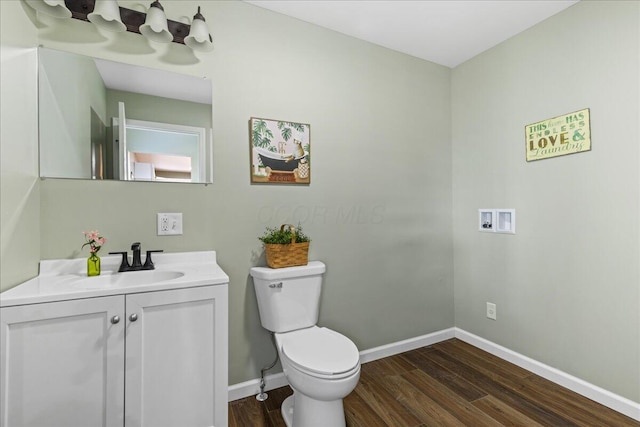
(19, 183)
(70, 88)
(379, 204)
(158, 109)
(567, 284)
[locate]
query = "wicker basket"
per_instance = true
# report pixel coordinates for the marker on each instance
(289, 255)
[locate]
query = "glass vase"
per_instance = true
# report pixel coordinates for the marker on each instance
(93, 265)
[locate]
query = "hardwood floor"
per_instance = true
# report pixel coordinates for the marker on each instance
(447, 384)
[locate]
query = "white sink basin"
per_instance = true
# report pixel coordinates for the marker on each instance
(128, 278)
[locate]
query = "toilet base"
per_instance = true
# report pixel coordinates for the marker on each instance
(287, 411)
(311, 412)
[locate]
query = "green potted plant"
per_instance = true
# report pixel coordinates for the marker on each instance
(286, 246)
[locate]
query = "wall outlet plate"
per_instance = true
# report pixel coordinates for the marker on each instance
(491, 311)
(169, 224)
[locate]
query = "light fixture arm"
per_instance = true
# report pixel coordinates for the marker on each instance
(156, 3)
(198, 15)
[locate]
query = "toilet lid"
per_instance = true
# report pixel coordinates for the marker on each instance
(321, 350)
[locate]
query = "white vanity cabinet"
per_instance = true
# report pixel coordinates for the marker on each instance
(154, 358)
(176, 358)
(62, 363)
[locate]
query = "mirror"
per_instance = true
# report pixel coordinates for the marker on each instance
(104, 120)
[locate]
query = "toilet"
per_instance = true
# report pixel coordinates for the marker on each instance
(322, 366)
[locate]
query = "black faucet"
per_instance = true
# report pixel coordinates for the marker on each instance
(137, 261)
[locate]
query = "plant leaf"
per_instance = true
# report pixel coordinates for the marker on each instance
(286, 133)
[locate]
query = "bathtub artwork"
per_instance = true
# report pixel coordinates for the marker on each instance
(280, 151)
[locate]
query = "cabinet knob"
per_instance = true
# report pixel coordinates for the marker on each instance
(115, 319)
(133, 317)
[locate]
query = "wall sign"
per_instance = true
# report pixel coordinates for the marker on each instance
(567, 134)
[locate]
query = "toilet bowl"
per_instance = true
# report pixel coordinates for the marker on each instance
(322, 366)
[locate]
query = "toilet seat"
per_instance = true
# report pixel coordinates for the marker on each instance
(320, 352)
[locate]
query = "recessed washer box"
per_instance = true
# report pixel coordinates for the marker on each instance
(486, 220)
(506, 221)
(497, 220)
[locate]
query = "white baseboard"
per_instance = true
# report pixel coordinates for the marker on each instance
(611, 400)
(617, 403)
(252, 387)
(405, 345)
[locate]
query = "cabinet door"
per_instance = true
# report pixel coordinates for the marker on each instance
(176, 358)
(62, 363)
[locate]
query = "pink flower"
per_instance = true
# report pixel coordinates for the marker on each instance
(94, 240)
(91, 235)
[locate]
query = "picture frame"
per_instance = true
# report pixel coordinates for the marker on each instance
(280, 151)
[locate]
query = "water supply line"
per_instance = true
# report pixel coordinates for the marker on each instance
(262, 396)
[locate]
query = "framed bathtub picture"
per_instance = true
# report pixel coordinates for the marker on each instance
(280, 151)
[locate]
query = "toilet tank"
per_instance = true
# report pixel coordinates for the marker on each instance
(288, 298)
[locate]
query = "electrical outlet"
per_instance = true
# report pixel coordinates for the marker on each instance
(164, 223)
(491, 310)
(169, 224)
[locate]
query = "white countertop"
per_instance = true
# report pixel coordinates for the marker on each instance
(66, 279)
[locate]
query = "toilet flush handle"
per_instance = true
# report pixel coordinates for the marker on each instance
(276, 285)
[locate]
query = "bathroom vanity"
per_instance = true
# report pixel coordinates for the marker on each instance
(144, 348)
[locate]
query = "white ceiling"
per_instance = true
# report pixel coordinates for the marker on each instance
(447, 32)
(148, 81)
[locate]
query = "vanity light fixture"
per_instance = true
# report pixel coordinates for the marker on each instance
(55, 8)
(155, 25)
(199, 38)
(106, 14)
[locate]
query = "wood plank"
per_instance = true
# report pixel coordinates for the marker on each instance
(384, 403)
(275, 419)
(232, 417)
(480, 359)
(394, 365)
(449, 400)
(503, 413)
(457, 384)
(507, 395)
(249, 412)
(422, 406)
(359, 414)
(400, 363)
(572, 406)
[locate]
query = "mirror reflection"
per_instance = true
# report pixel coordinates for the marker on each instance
(106, 120)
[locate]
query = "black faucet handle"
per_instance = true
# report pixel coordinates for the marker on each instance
(148, 263)
(124, 265)
(136, 264)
